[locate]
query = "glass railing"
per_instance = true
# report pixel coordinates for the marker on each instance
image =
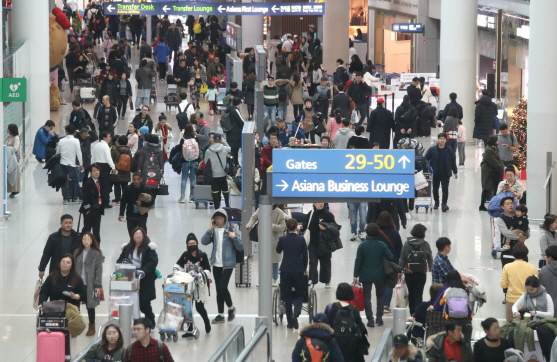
(258, 348)
(384, 348)
(231, 348)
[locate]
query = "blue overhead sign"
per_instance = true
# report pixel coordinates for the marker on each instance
(343, 174)
(189, 8)
(407, 27)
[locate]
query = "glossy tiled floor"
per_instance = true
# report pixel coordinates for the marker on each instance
(36, 213)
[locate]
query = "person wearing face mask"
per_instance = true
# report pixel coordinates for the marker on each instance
(140, 251)
(88, 262)
(111, 346)
(187, 262)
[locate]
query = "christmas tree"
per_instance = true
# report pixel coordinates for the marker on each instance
(518, 128)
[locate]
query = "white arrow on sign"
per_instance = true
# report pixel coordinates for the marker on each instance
(274, 8)
(165, 8)
(284, 185)
(404, 160)
(110, 8)
(220, 8)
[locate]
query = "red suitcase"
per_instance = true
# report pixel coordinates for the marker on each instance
(51, 347)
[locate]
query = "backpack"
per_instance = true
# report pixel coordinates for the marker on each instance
(124, 162)
(161, 352)
(227, 101)
(314, 350)
(182, 117)
(456, 305)
(226, 122)
(417, 261)
(197, 28)
(190, 150)
(346, 331)
(282, 93)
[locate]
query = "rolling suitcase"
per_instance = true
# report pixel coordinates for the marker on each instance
(51, 347)
(243, 273)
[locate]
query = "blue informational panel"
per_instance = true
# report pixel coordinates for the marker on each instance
(407, 27)
(343, 161)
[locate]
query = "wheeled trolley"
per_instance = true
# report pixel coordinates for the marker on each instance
(309, 304)
(53, 335)
(124, 289)
(424, 197)
(178, 310)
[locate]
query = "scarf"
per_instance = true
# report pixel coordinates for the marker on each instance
(541, 300)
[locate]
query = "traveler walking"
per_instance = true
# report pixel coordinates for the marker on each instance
(485, 113)
(62, 242)
(104, 159)
(443, 162)
(492, 170)
(122, 158)
(133, 199)
(381, 125)
(92, 206)
(216, 154)
(69, 150)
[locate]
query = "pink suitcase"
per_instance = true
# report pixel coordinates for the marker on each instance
(51, 347)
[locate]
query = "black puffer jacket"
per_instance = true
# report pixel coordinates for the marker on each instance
(329, 239)
(149, 262)
(234, 137)
(359, 92)
(56, 177)
(405, 117)
(484, 115)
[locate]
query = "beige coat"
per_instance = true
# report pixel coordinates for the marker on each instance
(16, 144)
(279, 225)
(298, 91)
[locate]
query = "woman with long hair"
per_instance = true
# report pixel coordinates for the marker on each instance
(548, 236)
(64, 284)
(88, 262)
(188, 166)
(248, 88)
(133, 138)
(335, 123)
(355, 64)
(298, 88)
(111, 346)
(13, 184)
(164, 131)
(389, 235)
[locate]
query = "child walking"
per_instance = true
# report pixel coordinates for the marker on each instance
(212, 97)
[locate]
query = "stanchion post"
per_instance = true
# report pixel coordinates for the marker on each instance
(125, 312)
(265, 263)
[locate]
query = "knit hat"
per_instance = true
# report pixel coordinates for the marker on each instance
(191, 236)
(320, 318)
(144, 130)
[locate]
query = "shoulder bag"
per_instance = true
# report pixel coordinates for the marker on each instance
(307, 233)
(163, 188)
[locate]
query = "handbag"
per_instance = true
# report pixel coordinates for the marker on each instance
(420, 181)
(359, 299)
(401, 293)
(254, 232)
(167, 148)
(37, 293)
(203, 88)
(131, 105)
(307, 233)
(163, 188)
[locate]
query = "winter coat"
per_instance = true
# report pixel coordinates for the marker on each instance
(298, 92)
(342, 137)
(329, 239)
(359, 92)
(414, 355)
(457, 106)
(116, 152)
(217, 155)
(97, 352)
(432, 155)
(130, 195)
(321, 92)
(162, 52)
(405, 117)
(450, 127)
(110, 88)
(41, 140)
(52, 252)
(249, 92)
(548, 278)
(437, 353)
(484, 115)
(547, 239)
(333, 127)
(342, 101)
(313, 226)
(56, 177)
(93, 274)
(288, 85)
(173, 39)
(380, 126)
(358, 142)
(415, 94)
(229, 246)
(234, 137)
(150, 162)
(85, 145)
(320, 331)
(149, 262)
(492, 168)
(369, 265)
(278, 225)
(412, 244)
(91, 195)
(139, 122)
(144, 77)
(112, 119)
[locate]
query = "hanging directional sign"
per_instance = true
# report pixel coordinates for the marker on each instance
(189, 8)
(343, 174)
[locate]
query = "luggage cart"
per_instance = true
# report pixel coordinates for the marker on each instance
(154, 90)
(124, 289)
(49, 327)
(424, 197)
(172, 98)
(178, 309)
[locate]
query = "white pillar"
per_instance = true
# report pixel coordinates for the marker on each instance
(252, 29)
(336, 25)
(38, 84)
(541, 114)
(458, 56)
(2, 121)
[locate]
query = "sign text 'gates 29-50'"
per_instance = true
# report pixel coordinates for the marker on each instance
(359, 174)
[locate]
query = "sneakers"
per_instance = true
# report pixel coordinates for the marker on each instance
(191, 200)
(435, 207)
(40, 160)
(444, 208)
(328, 285)
(370, 323)
(386, 309)
(218, 319)
(231, 314)
(66, 202)
(363, 235)
(182, 200)
(379, 321)
(353, 237)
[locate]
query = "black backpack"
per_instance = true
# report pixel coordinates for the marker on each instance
(182, 117)
(282, 93)
(346, 332)
(417, 261)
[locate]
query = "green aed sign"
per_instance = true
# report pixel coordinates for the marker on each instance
(14, 89)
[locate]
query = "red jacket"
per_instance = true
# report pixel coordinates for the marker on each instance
(267, 159)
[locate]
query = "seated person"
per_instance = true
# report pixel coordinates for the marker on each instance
(403, 350)
(111, 346)
(420, 313)
(296, 130)
(449, 345)
(80, 66)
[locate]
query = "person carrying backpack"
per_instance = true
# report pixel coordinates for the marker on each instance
(345, 320)
(190, 159)
(122, 158)
(453, 301)
(416, 258)
(317, 343)
(215, 156)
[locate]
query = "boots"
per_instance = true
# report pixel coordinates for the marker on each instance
(91, 330)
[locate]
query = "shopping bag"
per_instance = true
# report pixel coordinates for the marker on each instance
(359, 300)
(203, 88)
(401, 293)
(355, 117)
(38, 286)
(419, 180)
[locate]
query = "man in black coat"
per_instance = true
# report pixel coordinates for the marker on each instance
(77, 117)
(136, 27)
(380, 125)
(453, 103)
(92, 206)
(484, 115)
(182, 77)
(249, 65)
(283, 70)
(173, 39)
(86, 137)
(130, 200)
(405, 120)
(443, 162)
(359, 91)
(342, 100)
(62, 242)
(107, 116)
(414, 92)
(234, 137)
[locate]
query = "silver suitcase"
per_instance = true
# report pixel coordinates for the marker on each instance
(243, 273)
(87, 93)
(202, 194)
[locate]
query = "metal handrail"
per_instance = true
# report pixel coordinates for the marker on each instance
(260, 332)
(81, 356)
(384, 344)
(237, 334)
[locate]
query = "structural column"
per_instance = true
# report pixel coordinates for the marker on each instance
(38, 85)
(252, 29)
(336, 25)
(541, 114)
(458, 55)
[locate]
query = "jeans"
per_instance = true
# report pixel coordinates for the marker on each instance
(143, 98)
(379, 294)
(461, 153)
(355, 208)
(452, 144)
(275, 270)
(387, 296)
(72, 171)
(282, 110)
(222, 278)
(271, 111)
(291, 290)
(416, 284)
(444, 181)
(188, 168)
